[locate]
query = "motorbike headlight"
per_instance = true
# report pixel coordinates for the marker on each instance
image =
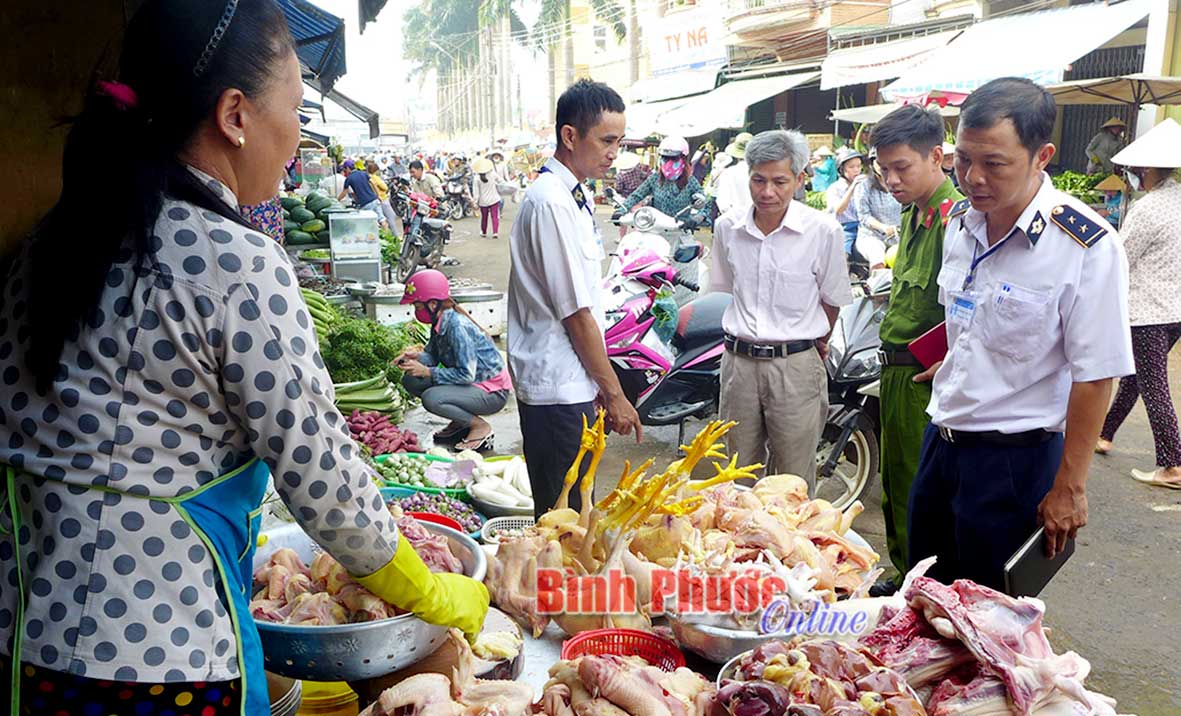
(862, 364)
(644, 219)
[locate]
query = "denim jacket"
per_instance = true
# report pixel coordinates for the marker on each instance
(459, 353)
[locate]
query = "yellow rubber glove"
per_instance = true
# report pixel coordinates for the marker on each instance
(451, 600)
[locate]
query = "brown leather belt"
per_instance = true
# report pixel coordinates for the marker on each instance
(906, 358)
(1028, 438)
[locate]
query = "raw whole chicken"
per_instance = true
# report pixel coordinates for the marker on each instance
(622, 686)
(460, 695)
(288, 591)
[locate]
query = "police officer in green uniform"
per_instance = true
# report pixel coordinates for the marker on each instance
(909, 146)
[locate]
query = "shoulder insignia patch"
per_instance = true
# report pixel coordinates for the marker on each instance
(960, 208)
(945, 210)
(1036, 227)
(1077, 225)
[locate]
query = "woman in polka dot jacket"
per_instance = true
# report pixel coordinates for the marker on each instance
(156, 369)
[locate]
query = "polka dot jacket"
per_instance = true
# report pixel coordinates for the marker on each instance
(189, 368)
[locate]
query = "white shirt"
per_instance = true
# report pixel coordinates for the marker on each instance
(1048, 312)
(556, 271)
(834, 195)
(1152, 238)
(486, 193)
(779, 280)
(734, 187)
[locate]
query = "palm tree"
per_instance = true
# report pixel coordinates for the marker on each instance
(553, 24)
(441, 35)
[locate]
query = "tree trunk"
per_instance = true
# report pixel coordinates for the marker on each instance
(568, 40)
(551, 56)
(633, 42)
(506, 73)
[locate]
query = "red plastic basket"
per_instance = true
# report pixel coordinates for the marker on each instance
(657, 651)
(438, 520)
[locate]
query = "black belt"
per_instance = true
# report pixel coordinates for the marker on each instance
(766, 350)
(904, 357)
(1028, 438)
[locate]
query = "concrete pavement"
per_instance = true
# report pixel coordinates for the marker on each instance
(1112, 603)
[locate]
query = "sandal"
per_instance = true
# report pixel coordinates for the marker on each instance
(451, 436)
(1152, 478)
(483, 444)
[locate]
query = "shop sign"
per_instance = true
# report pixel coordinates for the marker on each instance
(686, 40)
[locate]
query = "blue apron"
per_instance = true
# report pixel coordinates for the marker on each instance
(226, 515)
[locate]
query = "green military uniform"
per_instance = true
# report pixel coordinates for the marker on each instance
(914, 310)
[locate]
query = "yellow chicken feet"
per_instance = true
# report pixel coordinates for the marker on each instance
(593, 438)
(727, 474)
(596, 438)
(706, 443)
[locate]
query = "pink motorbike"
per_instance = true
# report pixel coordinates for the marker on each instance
(668, 382)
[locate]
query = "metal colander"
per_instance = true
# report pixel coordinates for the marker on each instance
(351, 652)
(496, 526)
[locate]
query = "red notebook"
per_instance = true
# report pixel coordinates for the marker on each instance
(931, 347)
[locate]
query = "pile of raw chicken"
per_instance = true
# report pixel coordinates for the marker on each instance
(672, 521)
(934, 650)
(290, 592)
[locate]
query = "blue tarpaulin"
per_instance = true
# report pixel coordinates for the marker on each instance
(319, 42)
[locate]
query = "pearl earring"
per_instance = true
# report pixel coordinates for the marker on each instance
(241, 141)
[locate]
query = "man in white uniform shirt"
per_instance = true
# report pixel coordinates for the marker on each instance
(784, 264)
(1035, 289)
(555, 320)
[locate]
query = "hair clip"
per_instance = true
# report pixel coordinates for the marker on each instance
(122, 95)
(215, 39)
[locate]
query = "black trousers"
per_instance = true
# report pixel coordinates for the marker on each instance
(973, 506)
(552, 434)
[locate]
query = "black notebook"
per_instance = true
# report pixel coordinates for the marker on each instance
(1028, 571)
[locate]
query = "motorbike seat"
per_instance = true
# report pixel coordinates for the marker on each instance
(434, 223)
(700, 321)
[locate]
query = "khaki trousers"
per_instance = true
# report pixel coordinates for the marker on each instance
(780, 405)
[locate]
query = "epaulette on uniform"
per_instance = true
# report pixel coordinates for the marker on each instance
(1077, 225)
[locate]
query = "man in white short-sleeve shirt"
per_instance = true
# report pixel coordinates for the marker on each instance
(784, 265)
(555, 321)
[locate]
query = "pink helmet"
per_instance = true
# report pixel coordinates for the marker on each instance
(426, 285)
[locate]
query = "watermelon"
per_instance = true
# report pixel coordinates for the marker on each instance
(313, 226)
(290, 202)
(289, 225)
(286, 214)
(298, 238)
(300, 215)
(317, 202)
(322, 236)
(329, 211)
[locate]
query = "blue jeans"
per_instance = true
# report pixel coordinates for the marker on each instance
(850, 235)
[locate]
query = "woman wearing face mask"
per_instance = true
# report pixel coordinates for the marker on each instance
(1152, 240)
(671, 188)
(459, 375)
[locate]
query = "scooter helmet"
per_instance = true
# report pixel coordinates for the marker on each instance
(672, 147)
(845, 155)
(426, 285)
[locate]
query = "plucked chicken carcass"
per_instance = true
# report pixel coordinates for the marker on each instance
(594, 541)
(288, 591)
(622, 686)
(460, 695)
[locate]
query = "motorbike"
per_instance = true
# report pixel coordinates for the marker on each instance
(849, 453)
(668, 383)
(654, 231)
(423, 234)
(457, 202)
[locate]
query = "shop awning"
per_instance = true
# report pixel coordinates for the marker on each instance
(367, 11)
(725, 107)
(643, 118)
(1136, 89)
(875, 112)
(677, 84)
(1039, 46)
(319, 42)
(881, 61)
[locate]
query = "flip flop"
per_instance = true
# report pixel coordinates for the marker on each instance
(1149, 478)
(485, 444)
(449, 436)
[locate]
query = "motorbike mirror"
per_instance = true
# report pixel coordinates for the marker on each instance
(687, 252)
(699, 201)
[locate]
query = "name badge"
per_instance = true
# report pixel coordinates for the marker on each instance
(962, 309)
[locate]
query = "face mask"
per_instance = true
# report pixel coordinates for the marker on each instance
(423, 314)
(672, 168)
(1133, 180)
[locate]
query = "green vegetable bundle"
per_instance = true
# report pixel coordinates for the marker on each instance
(374, 395)
(817, 200)
(324, 316)
(1080, 186)
(391, 247)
